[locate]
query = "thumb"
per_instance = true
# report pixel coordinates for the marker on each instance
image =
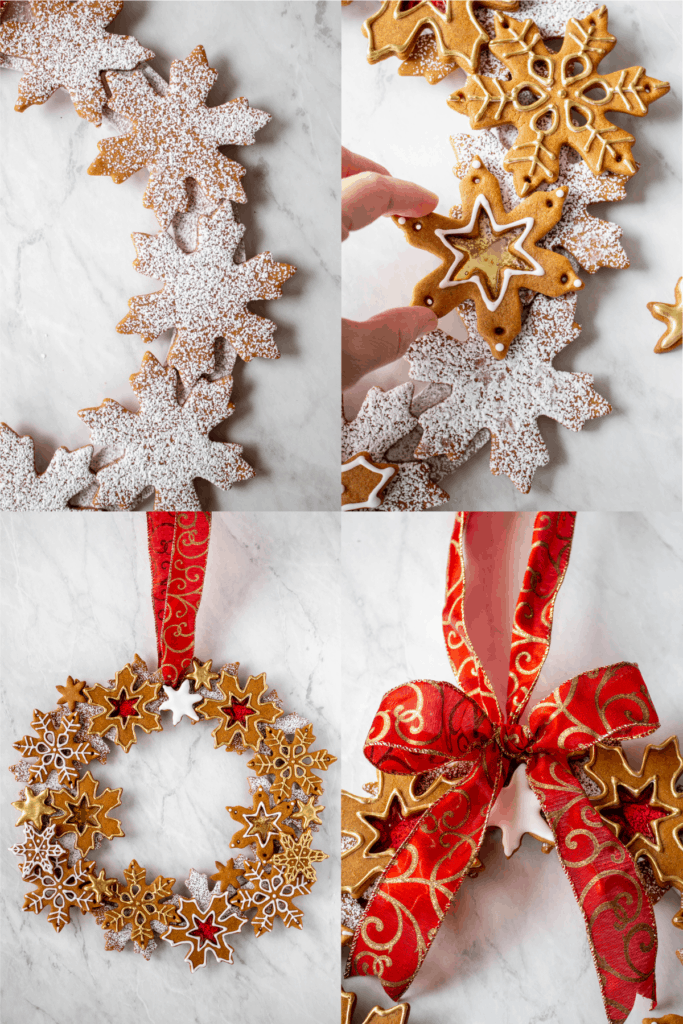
(368, 344)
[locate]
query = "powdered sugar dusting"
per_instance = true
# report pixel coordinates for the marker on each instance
(592, 241)
(205, 295)
(505, 396)
(65, 45)
(166, 444)
(24, 490)
(177, 137)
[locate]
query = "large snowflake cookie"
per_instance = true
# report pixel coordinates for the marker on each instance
(176, 136)
(505, 397)
(166, 443)
(205, 295)
(65, 45)
(22, 489)
(551, 99)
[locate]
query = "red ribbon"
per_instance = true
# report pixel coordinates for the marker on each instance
(424, 724)
(178, 549)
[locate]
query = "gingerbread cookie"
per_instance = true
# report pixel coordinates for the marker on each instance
(547, 99)
(364, 481)
(177, 137)
(504, 398)
(671, 316)
(394, 30)
(205, 295)
(487, 254)
(65, 46)
(165, 444)
(23, 489)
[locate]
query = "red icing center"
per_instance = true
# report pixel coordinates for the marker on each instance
(635, 814)
(123, 707)
(238, 710)
(392, 830)
(440, 5)
(205, 931)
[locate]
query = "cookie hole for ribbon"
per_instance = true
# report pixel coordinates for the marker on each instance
(505, 23)
(527, 179)
(417, 226)
(564, 279)
(548, 202)
(646, 88)
(429, 301)
(499, 330)
(618, 158)
(476, 180)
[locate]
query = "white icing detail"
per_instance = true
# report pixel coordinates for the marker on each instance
(373, 500)
(429, 301)
(401, 220)
(517, 245)
(418, 227)
(500, 347)
(560, 193)
(181, 702)
(577, 283)
(517, 811)
(476, 163)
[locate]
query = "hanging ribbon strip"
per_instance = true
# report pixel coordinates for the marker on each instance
(178, 549)
(424, 724)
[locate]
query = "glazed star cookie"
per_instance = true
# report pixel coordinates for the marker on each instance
(65, 45)
(505, 398)
(166, 443)
(671, 316)
(487, 254)
(204, 922)
(176, 136)
(205, 295)
(23, 489)
(550, 98)
(398, 26)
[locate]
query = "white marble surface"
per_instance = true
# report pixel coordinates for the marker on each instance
(66, 252)
(631, 459)
(75, 600)
(514, 950)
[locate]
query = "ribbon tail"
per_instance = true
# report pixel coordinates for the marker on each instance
(617, 912)
(422, 879)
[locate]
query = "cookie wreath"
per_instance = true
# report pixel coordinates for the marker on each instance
(65, 816)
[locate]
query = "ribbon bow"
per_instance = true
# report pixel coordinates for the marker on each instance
(424, 725)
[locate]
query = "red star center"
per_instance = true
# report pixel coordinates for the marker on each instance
(635, 814)
(439, 5)
(392, 830)
(238, 711)
(123, 706)
(206, 931)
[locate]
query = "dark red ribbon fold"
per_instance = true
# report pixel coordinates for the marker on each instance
(178, 549)
(422, 725)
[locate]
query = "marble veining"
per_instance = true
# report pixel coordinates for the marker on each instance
(630, 459)
(513, 950)
(66, 265)
(75, 599)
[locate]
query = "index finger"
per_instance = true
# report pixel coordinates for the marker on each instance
(353, 163)
(367, 196)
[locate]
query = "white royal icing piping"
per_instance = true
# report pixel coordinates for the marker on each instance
(527, 222)
(373, 500)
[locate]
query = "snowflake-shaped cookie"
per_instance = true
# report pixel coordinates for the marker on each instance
(177, 136)
(292, 763)
(40, 851)
(205, 295)
(204, 923)
(592, 242)
(86, 813)
(551, 99)
(125, 705)
(505, 397)
(383, 422)
(56, 748)
(139, 904)
(65, 45)
(166, 444)
(62, 888)
(262, 824)
(22, 489)
(239, 711)
(296, 858)
(272, 896)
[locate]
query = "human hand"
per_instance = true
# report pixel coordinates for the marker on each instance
(369, 192)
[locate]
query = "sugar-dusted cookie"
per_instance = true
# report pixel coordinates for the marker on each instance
(488, 253)
(166, 443)
(671, 316)
(65, 45)
(550, 98)
(505, 398)
(205, 295)
(22, 489)
(177, 136)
